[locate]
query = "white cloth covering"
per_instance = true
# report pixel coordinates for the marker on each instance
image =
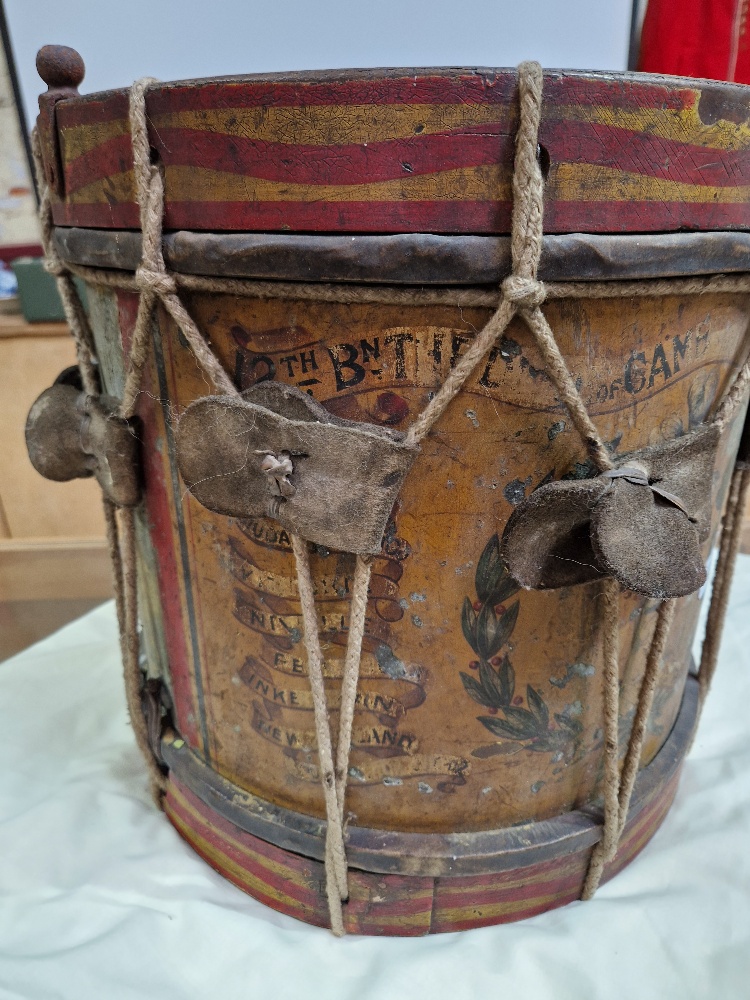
(101, 900)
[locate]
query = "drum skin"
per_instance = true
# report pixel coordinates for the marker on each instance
(479, 711)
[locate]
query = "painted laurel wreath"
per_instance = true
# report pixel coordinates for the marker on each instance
(488, 624)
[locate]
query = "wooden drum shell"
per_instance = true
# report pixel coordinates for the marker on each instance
(461, 812)
(421, 759)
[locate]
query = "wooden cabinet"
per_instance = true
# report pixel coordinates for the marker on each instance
(53, 557)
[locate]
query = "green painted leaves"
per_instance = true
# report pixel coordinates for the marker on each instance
(487, 625)
(493, 583)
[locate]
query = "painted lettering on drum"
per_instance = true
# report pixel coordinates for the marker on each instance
(377, 740)
(675, 356)
(417, 356)
(371, 697)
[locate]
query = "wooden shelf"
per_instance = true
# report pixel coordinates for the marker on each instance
(14, 325)
(45, 569)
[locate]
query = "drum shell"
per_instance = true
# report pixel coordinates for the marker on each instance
(477, 760)
(220, 608)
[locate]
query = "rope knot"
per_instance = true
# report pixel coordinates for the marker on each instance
(526, 293)
(278, 468)
(53, 265)
(154, 280)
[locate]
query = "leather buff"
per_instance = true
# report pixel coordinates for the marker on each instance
(71, 435)
(344, 479)
(571, 532)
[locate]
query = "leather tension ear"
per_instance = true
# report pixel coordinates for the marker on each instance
(274, 451)
(643, 523)
(70, 435)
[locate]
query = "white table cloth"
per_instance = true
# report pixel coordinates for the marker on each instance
(101, 900)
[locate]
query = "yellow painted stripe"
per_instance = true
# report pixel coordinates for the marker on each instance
(246, 879)
(680, 126)
(327, 125)
(584, 182)
(274, 867)
(492, 911)
(80, 139)
(201, 184)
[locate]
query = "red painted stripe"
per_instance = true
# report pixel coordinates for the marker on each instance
(361, 163)
(468, 88)
(643, 216)
(289, 884)
(644, 154)
(414, 216)
(95, 109)
(471, 87)
(396, 159)
(290, 907)
(158, 498)
(624, 95)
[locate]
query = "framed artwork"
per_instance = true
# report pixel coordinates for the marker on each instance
(19, 228)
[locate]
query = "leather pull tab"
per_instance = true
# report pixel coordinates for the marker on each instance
(642, 524)
(274, 451)
(70, 435)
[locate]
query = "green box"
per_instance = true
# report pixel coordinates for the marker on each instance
(37, 290)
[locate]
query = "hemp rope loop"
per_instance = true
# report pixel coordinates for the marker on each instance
(120, 532)
(154, 283)
(520, 294)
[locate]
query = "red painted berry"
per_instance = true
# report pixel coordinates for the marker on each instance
(496, 661)
(499, 609)
(474, 665)
(493, 711)
(517, 700)
(477, 605)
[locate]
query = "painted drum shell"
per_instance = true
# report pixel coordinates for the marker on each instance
(479, 706)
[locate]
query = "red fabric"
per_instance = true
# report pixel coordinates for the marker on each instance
(700, 38)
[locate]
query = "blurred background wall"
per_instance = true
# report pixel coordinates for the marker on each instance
(121, 40)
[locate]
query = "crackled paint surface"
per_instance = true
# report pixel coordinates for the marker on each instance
(489, 697)
(415, 151)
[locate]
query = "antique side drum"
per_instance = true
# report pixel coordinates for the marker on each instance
(338, 239)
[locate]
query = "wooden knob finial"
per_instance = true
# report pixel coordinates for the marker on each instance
(60, 67)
